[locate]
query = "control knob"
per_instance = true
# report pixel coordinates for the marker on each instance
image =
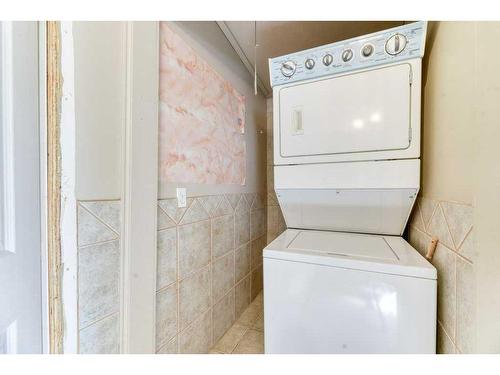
(347, 55)
(327, 59)
(367, 50)
(395, 44)
(288, 68)
(309, 64)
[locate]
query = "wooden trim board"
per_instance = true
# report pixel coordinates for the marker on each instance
(54, 90)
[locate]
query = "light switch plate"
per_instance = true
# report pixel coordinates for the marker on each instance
(181, 197)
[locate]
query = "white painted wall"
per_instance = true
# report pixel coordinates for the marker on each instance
(100, 77)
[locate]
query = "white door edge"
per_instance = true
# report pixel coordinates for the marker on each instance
(139, 190)
(69, 250)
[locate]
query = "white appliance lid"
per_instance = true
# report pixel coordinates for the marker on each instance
(375, 253)
(343, 244)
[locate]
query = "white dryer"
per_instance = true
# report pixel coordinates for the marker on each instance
(341, 279)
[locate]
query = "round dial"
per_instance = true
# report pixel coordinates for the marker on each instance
(309, 64)
(288, 68)
(395, 44)
(347, 55)
(327, 59)
(367, 50)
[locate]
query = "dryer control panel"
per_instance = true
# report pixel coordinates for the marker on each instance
(400, 43)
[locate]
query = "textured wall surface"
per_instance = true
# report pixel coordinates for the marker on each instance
(202, 118)
(209, 267)
(98, 276)
(452, 224)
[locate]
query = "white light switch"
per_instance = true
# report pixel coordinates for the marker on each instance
(181, 197)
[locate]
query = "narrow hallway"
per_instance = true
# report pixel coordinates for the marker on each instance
(246, 336)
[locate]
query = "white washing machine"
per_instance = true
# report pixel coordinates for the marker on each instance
(341, 279)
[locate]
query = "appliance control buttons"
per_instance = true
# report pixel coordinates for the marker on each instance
(367, 50)
(347, 55)
(395, 44)
(309, 64)
(288, 68)
(327, 59)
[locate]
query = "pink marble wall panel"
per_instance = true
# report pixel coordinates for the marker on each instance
(202, 118)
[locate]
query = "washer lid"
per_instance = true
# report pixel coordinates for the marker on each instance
(384, 254)
(343, 244)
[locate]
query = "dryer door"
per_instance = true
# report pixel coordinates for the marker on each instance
(359, 112)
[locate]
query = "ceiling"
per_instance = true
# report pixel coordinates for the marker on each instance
(276, 38)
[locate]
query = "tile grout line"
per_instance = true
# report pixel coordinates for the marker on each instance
(99, 320)
(448, 228)
(99, 219)
(442, 244)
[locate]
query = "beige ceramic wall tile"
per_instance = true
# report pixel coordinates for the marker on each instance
(222, 276)
(233, 199)
(197, 339)
(91, 230)
(242, 295)
(194, 295)
(194, 247)
(250, 197)
(243, 204)
(273, 222)
(468, 247)
(98, 281)
(242, 262)
(166, 315)
(438, 227)
(163, 220)
(242, 227)
(418, 240)
(210, 203)
(270, 178)
(222, 235)
(257, 282)
(444, 343)
(427, 207)
(224, 208)
(223, 315)
(101, 337)
(272, 200)
(257, 223)
(445, 262)
(107, 211)
(195, 212)
(259, 201)
(466, 322)
(170, 207)
(256, 251)
(166, 265)
(169, 348)
(459, 219)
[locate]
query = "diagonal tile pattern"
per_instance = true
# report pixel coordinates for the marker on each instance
(452, 224)
(208, 268)
(98, 276)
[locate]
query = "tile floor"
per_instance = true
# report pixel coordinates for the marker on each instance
(246, 336)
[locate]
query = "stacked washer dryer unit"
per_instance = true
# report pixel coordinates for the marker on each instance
(341, 279)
